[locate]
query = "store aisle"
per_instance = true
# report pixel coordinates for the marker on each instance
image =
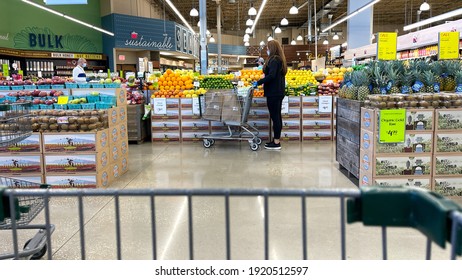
(226, 165)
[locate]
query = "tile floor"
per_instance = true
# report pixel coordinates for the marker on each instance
(225, 165)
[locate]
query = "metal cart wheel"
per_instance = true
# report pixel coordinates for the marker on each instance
(39, 254)
(254, 146)
(258, 141)
(207, 143)
(212, 142)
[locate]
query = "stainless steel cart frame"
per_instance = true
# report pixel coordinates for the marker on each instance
(439, 219)
(238, 128)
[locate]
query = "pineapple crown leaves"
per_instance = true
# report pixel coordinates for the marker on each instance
(408, 80)
(458, 77)
(437, 68)
(428, 78)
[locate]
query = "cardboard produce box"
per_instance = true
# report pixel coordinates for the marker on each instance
(313, 113)
(20, 164)
(194, 136)
(295, 101)
(165, 125)
(260, 125)
(114, 136)
(115, 153)
(403, 166)
(293, 113)
(448, 142)
(316, 124)
(168, 136)
(123, 131)
(290, 135)
(22, 181)
(79, 180)
(122, 110)
(115, 171)
(369, 119)
(75, 142)
(448, 165)
(365, 178)
(189, 114)
(419, 119)
(449, 119)
(291, 124)
(318, 135)
(113, 117)
(259, 102)
(310, 101)
(76, 163)
(195, 125)
(121, 95)
(368, 141)
(123, 163)
(258, 113)
(448, 186)
(124, 147)
(424, 183)
(415, 142)
(32, 144)
(216, 126)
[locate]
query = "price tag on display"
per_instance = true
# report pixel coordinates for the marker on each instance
(240, 83)
(6, 72)
(392, 126)
(63, 99)
(39, 74)
(325, 104)
(196, 84)
(386, 45)
(195, 106)
(285, 105)
(448, 45)
(160, 106)
(63, 120)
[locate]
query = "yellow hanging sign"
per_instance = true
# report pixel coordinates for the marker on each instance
(448, 45)
(386, 45)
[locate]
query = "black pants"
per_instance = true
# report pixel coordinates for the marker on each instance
(274, 104)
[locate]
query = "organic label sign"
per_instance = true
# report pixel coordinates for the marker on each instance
(63, 99)
(160, 106)
(386, 46)
(392, 126)
(285, 105)
(448, 45)
(325, 104)
(195, 106)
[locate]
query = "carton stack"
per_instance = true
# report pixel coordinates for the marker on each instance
(393, 164)
(23, 160)
(259, 118)
(291, 124)
(447, 160)
(316, 126)
(118, 145)
(166, 125)
(192, 124)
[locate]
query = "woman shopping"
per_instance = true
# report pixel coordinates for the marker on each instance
(275, 70)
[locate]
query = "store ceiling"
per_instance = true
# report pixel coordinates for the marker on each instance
(234, 12)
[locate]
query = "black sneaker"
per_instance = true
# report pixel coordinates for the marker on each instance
(273, 146)
(268, 143)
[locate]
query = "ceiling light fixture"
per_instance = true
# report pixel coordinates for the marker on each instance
(293, 10)
(262, 43)
(249, 22)
(299, 37)
(335, 37)
(284, 21)
(180, 16)
(248, 31)
(368, 5)
(245, 39)
(325, 42)
(270, 38)
(425, 6)
(212, 40)
(194, 12)
(68, 17)
(199, 23)
(252, 10)
(277, 30)
(263, 4)
(293, 42)
(246, 36)
(246, 44)
(433, 19)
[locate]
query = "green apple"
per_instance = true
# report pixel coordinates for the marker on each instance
(108, 81)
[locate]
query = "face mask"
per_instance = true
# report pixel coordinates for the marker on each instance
(268, 52)
(84, 65)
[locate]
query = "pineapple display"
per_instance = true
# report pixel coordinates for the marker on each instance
(406, 83)
(449, 83)
(418, 86)
(458, 80)
(429, 80)
(394, 78)
(380, 79)
(437, 69)
(352, 91)
(363, 89)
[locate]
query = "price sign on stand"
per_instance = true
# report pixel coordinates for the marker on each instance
(448, 45)
(392, 126)
(63, 99)
(240, 83)
(285, 105)
(6, 72)
(196, 84)
(386, 45)
(325, 104)
(159, 106)
(195, 106)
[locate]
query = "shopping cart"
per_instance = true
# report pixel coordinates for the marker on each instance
(15, 126)
(437, 218)
(231, 108)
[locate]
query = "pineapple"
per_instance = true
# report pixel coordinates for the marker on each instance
(394, 79)
(353, 90)
(406, 83)
(458, 79)
(380, 79)
(449, 82)
(429, 80)
(418, 85)
(437, 69)
(363, 89)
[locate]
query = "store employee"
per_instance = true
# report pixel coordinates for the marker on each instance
(78, 74)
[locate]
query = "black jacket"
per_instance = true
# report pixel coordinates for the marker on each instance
(274, 80)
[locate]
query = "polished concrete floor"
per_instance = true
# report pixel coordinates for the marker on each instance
(225, 165)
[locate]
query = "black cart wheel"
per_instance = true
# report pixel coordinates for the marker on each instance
(258, 141)
(39, 254)
(254, 146)
(207, 143)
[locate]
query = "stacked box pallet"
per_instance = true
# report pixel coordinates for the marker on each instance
(136, 126)
(23, 160)
(291, 119)
(118, 145)
(77, 159)
(166, 126)
(393, 164)
(348, 135)
(447, 177)
(192, 125)
(259, 117)
(334, 118)
(316, 126)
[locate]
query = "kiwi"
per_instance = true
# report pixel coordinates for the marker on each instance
(84, 127)
(44, 126)
(44, 119)
(424, 104)
(381, 105)
(87, 113)
(447, 104)
(409, 97)
(73, 127)
(53, 126)
(400, 104)
(80, 120)
(367, 103)
(436, 97)
(457, 103)
(94, 119)
(35, 126)
(91, 126)
(81, 113)
(428, 98)
(391, 104)
(64, 126)
(435, 104)
(454, 97)
(94, 113)
(53, 120)
(87, 121)
(72, 120)
(419, 97)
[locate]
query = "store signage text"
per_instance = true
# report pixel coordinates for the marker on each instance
(5, 37)
(45, 40)
(141, 42)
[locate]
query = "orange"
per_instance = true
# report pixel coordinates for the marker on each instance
(169, 71)
(182, 87)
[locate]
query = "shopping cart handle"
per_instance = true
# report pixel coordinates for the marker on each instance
(406, 207)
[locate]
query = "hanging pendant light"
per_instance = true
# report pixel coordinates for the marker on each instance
(246, 44)
(270, 38)
(293, 42)
(252, 10)
(293, 10)
(335, 37)
(212, 40)
(299, 37)
(245, 39)
(425, 6)
(262, 43)
(248, 30)
(325, 42)
(194, 12)
(249, 22)
(246, 36)
(199, 23)
(284, 21)
(277, 30)
(207, 33)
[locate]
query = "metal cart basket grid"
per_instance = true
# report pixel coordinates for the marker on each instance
(439, 219)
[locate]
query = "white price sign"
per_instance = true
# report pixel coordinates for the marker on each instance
(195, 106)
(240, 83)
(325, 104)
(196, 84)
(159, 106)
(285, 105)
